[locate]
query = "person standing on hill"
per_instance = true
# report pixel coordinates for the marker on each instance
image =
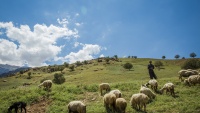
(151, 70)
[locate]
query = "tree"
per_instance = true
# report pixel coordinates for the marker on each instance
(58, 78)
(193, 55)
(66, 64)
(29, 75)
(128, 66)
(177, 56)
(72, 67)
(158, 64)
(115, 56)
(163, 57)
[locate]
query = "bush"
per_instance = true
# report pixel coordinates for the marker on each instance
(58, 78)
(128, 66)
(191, 64)
(158, 64)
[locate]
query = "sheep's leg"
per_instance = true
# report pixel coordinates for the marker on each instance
(145, 107)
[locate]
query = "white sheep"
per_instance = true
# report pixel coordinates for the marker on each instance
(109, 101)
(169, 87)
(187, 73)
(76, 107)
(147, 92)
(120, 105)
(117, 93)
(104, 86)
(46, 84)
(138, 101)
(153, 83)
(194, 79)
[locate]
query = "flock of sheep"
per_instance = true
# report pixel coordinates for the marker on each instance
(114, 102)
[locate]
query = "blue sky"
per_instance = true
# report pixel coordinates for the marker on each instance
(45, 32)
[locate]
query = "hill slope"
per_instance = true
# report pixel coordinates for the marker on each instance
(82, 84)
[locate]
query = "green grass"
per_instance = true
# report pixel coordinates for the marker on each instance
(82, 84)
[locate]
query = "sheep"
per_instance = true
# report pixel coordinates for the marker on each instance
(138, 101)
(169, 87)
(109, 101)
(47, 84)
(194, 79)
(17, 105)
(117, 93)
(120, 105)
(153, 83)
(104, 86)
(76, 107)
(147, 92)
(187, 73)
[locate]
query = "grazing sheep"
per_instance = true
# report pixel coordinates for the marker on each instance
(153, 83)
(169, 87)
(104, 86)
(47, 84)
(109, 101)
(17, 105)
(147, 92)
(187, 73)
(120, 105)
(117, 93)
(76, 107)
(194, 79)
(138, 101)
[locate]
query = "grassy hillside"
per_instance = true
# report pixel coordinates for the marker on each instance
(82, 84)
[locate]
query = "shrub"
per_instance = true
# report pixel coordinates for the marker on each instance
(128, 66)
(158, 64)
(58, 78)
(191, 64)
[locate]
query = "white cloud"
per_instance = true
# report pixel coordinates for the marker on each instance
(77, 24)
(86, 53)
(34, 47)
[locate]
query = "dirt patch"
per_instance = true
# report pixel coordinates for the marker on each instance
(39, 106)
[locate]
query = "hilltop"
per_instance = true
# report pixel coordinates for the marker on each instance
(82, 84)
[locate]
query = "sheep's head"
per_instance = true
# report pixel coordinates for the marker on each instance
(186, 81)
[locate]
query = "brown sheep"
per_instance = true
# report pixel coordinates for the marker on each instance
(169, 87)
(121, 105)
(139, 100)
(76, 107)
(109, 101)
(46, 84)
(104, 86)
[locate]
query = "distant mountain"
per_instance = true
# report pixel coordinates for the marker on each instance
(6, 69)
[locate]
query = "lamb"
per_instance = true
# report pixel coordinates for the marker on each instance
(120, 105)
(17, 105)
(76, 107)
(47, 84)
(194, 79)
(109, 101)
(138, 101)
(147, 92)
(153, 83)
(104, 86)
(117, 93)
(169, 87)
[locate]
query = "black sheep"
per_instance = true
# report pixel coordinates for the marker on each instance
(17, 105)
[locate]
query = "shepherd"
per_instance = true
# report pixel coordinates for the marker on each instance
(151, 71)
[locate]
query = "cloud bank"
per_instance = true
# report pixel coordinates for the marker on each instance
(21, 45)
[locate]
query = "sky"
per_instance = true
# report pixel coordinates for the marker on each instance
(46, 32)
